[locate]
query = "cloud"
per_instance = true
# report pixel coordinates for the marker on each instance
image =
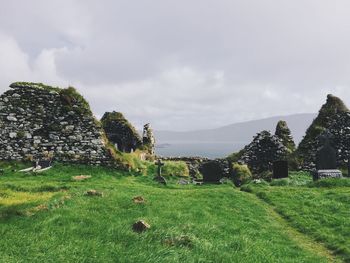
(182, 64)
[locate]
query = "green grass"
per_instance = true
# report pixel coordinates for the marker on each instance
(319, 209)
(209, 223)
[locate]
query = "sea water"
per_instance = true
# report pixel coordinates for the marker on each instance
(201, 149)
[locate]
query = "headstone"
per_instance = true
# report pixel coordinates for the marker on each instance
(326, 161)
(323, 174)
(326, 157)
(280, 169)
(212, 172)
(160, 165)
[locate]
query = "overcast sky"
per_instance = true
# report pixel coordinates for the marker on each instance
(182, 64)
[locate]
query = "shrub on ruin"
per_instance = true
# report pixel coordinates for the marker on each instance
(74, 101)
(240, 174)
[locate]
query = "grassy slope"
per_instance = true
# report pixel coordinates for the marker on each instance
(322, 213)
(188, 223)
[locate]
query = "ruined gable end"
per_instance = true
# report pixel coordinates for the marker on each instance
(37, 119)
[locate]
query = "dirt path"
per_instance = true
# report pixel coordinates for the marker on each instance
(301, 239)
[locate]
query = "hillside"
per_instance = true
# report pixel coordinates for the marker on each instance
(240, 132)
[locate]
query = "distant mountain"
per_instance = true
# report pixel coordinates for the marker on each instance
(239, 132)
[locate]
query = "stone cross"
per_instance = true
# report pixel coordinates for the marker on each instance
(159, 164)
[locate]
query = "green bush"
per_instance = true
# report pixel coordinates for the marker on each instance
(175, 169)
(280, 182)
(266, 175)
(300, 178)
(240, 174)
(170, 168)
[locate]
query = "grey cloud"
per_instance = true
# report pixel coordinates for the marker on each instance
(178, 63)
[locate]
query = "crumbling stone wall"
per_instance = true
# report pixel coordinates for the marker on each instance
(37, 119)
(339, 131)
(263, 151)
(120, 132)
(328, 113)
(148, 139)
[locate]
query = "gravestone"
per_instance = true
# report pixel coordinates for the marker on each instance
(212, 172)
(326, 158)
(280, 169)
(159, 178)
(326, 161)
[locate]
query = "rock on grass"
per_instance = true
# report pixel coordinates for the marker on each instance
(139, 200)
(93, 193)
(140, 226)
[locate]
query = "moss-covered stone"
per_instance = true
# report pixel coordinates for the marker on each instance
(120, 132)
(37, 118)
(283, 132)
(34, 85)
(328, 113)
(260, 154)
(74, 101)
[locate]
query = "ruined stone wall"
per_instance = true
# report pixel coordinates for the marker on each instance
(120, 132)
(36, 119)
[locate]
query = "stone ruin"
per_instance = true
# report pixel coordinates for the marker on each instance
(148, 139)
(263, 151)
(212, 170)
(283, 132)
(36, 119)
(120, 132)
(326, 160)
(333, 116)
(194, 164)
(340, 131)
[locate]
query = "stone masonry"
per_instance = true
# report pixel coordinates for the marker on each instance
(36, 119)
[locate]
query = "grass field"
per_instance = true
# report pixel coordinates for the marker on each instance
(321, 210)
(49, 218)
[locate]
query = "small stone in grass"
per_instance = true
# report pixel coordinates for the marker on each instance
(139, 200)
(81, 177)
(140, 226)
(93, 193)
